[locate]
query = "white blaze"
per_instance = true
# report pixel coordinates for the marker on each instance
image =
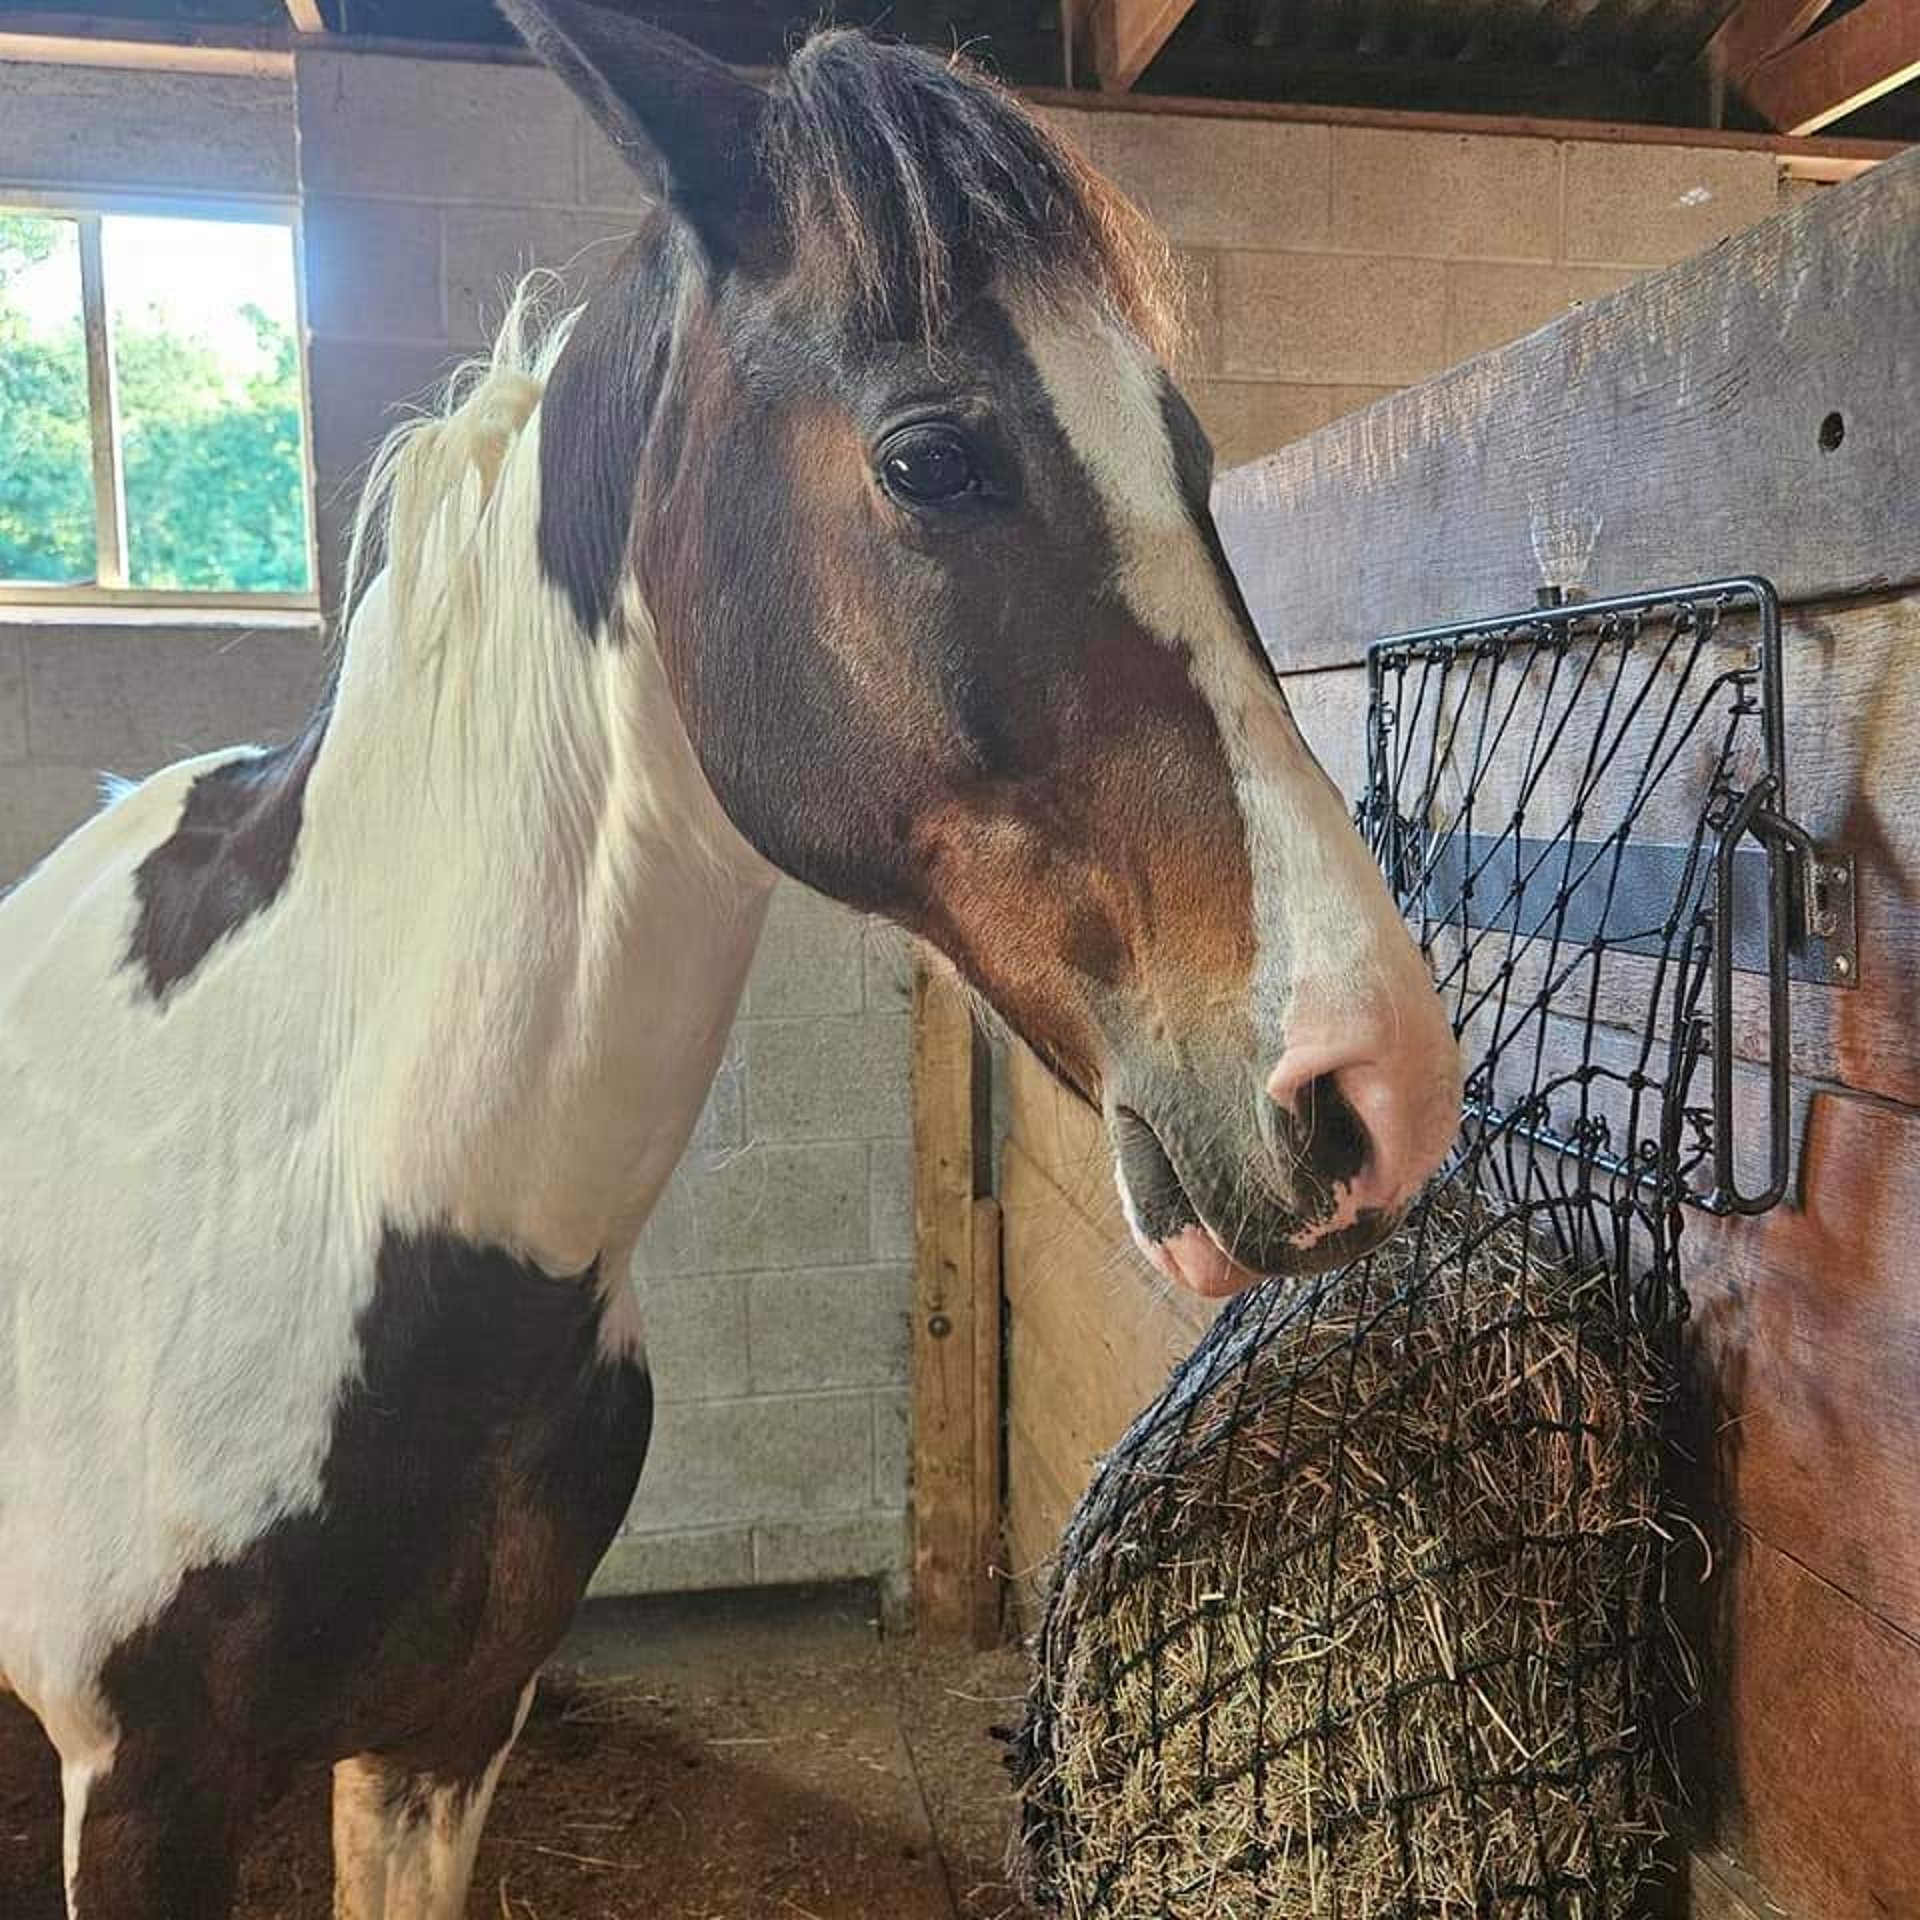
(1326, 930)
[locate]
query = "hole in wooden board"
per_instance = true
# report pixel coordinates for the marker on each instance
(1833, 429)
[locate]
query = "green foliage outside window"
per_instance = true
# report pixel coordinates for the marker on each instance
(211, 465)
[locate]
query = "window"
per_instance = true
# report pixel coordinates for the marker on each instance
(151, 426)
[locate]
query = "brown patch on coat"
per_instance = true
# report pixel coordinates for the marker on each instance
(479, 1464)
(226, 860)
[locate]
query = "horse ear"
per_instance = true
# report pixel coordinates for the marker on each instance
(663, 103)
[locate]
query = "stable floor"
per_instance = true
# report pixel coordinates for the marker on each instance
(754, 1757)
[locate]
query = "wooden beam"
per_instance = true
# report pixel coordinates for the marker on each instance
(956, 1328)
(1857, 58)
(143, 46)
(1126, 34)
(1754, 31)
(305, 15)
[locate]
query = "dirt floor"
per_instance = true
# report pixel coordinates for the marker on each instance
(754, 1757)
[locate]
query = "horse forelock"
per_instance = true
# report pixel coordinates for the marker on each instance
(924, 182)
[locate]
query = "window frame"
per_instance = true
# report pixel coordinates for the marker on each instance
(109, 587)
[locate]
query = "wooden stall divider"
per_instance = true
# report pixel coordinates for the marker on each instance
(956, 1328)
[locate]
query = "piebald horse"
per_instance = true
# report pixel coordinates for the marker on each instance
(852, 531)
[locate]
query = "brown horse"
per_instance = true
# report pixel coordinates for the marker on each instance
(853, 531)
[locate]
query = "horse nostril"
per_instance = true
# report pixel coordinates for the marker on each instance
(1319, 1127)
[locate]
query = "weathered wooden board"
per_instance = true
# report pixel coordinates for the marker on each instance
(1091, 1332)
(1038, 1505)
(1676, 430)
(1716, 1888)
(1091, 1336)
(956, 1330)
(1811, 1712)
(1805, 1339)
(1062, 1137)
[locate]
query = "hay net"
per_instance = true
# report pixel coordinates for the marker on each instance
(1360, 1620)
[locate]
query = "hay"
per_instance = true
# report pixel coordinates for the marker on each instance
(1357, 1623)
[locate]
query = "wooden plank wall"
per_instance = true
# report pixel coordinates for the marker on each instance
(1804, 1344)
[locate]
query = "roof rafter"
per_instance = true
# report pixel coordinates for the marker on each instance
(1854, 59)
(1126, 34)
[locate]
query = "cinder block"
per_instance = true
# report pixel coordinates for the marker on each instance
(74, 127)
(825, 1328)
(373, 269)
(892, 1449)
(827, 1079)
(133, 698)
(810, 957)
(1488, 305)
(766, 1208)
(1331, 320)
(455, 130)
(1248, 418)
(39, 807)
(1647, 206)
(13, 697)
(1072, 125)
(723, 1462)
(490, 250)
(892, 1199)
(1220, 183)
(692, 1561)
(697, 1336)
(360, 390)
(1472, 195)
(855, 1548)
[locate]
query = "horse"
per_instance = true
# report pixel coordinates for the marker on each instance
(851, 530)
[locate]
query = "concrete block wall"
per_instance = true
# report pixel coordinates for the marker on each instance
(84, 694)
(428, 189)
(1330, 265)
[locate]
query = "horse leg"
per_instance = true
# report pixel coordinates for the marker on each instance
(152, 1839)
(405, 1835)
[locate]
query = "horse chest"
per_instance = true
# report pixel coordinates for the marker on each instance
(475, 1473)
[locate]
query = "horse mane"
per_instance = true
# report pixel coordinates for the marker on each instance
(928, 182)
(433, 476)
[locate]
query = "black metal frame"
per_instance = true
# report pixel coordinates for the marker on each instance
(1807, 929)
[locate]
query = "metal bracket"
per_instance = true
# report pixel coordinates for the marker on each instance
(1823, 934)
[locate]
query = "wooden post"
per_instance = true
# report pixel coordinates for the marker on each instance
(956, 1333)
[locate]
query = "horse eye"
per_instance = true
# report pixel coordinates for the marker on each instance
(928, 467)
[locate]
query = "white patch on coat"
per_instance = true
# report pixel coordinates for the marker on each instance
(1327, 931)
(409, 1856)
(488, 1000)
(77, 1778)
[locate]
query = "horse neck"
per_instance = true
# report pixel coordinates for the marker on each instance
(549, 917)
